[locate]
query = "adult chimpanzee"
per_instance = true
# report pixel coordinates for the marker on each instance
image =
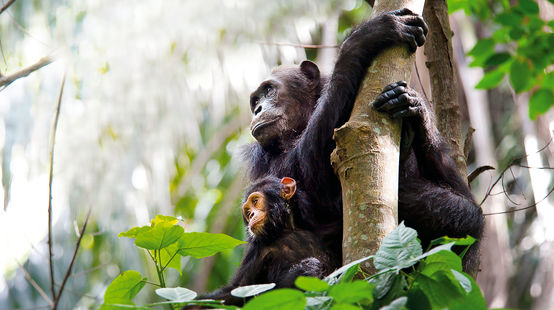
(296, 110)
(278, 252)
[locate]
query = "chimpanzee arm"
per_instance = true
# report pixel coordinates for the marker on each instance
(433, 197)
(308, 267)
(335, 104)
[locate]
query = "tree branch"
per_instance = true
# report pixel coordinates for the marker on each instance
(36, 286)
(6, 6)
(51, 175)
(68, 272)
(8, 79)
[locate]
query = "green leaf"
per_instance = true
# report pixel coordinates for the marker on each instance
(397, 304)
(317, 302)
(133, 232)
(440, 294)
(497, 59)
(450, 259)
(311, 284)
(251, 290)
(285, 298)
(123, 289)
(170, 252)
(512, 19)
(468, 240)
(455, 5)
(483, 47)
(352, 292)
(345, 307)
(529, 6)
(520, 74)
(540, 102)
(383, 283)
(349, 274)
(332, 278)
(463, 280)
(398, 249)
(199, 245)
(176, 294)
(548, 80)
(159, 237)
(491, 79)
(164, 219)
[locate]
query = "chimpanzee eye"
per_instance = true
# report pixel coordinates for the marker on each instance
(268, 88)
(255, 201)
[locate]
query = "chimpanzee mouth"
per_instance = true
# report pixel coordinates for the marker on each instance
(259, 126)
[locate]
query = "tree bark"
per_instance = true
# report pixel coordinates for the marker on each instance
(442, 72)
(366, 158)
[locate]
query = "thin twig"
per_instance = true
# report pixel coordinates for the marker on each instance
(52, 142)
(68, 272)
(8, 79)
(525, 208)
(6, 6)
(36, 286)
(512, 163)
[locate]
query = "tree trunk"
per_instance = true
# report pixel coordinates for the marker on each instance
(366, 158)
(444, 82)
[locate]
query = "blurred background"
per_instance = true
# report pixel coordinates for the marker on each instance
(153, 116)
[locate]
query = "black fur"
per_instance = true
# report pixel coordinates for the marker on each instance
(282, 252)
(433, 197)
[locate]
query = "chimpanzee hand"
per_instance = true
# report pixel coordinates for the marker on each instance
(402, 26)
(387, 29)
(398, 100)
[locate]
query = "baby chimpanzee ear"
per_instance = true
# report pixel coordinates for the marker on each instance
(289, 188)
(310, 70)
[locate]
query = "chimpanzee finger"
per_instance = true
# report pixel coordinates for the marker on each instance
(409, 112)
(402, 12)
(411, 41)
(418, 34)
(416, 21)
(395, 104)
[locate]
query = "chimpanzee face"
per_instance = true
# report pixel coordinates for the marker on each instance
(266, 211)
(282, 105)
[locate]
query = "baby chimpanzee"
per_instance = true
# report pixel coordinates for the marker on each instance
(278, 251)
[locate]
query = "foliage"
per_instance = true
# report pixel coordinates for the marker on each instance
(166, 242)
(520, 47)
(407, 278)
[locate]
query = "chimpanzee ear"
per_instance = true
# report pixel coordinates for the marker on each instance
(310, 70)
(289, 188)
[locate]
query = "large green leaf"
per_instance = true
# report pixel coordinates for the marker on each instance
(398, 249)
(123, 289)
(285, 298)
(491, 79)
(540, 102)
(133, 232)
(529, 6)
(397, 304)
(520, 75)
(251, 290)
(332, 278)
(200, 245)
(311, 284)
(170, 253)
(352, 292)
(160, 236)
(176, 294)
